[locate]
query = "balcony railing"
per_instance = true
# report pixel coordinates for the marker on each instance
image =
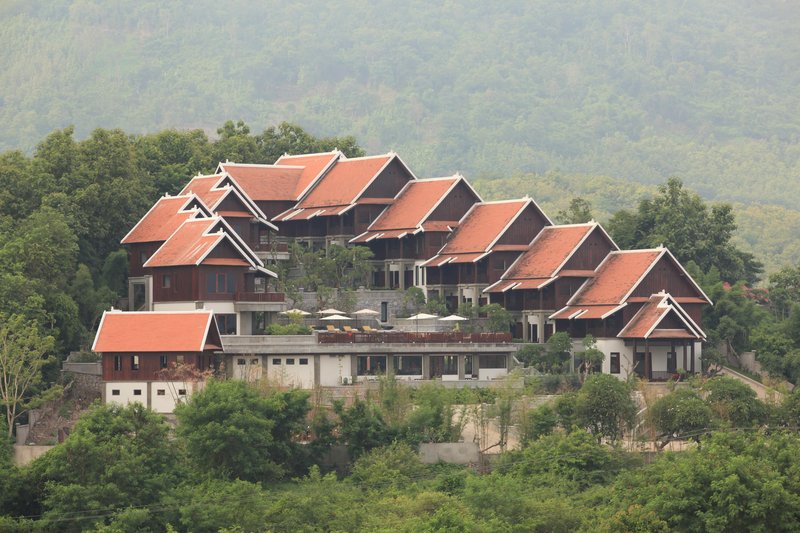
(397, 337)
(270, 247)
(259, 296)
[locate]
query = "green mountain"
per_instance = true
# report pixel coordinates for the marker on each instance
(636, 90)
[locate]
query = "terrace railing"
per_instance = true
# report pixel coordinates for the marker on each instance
(403, 337)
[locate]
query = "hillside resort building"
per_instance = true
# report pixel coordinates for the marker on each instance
(203, 287)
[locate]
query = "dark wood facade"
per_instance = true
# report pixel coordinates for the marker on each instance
(152, 366)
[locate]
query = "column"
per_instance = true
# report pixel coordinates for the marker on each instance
(540, 327)
(426, 366)
(684, 357)
(462, 364)
(692, 351)
(353, 366)
(389, 364)
(526, 328)
(317, 366)
(648, 363)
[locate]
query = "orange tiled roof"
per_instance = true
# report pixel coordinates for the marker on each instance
(410, 209)
(549, 251)
(483, 225)
(189, 245)
(586, 311)
(266, 182)
(155, 331)
(616, 276)
(645, 322)
(313, 165)
(339, 188)
(442, 259)
(161, 221)
(204, 188)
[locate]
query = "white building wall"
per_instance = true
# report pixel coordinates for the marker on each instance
(165, 395)
(332, 368)
(491, 373)
(247, 367)
(125, 392)
(291, 370)
(174, 306)
(658, 354)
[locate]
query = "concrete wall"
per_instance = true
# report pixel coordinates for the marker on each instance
(459, 453)
(369, 299)
(161, 396)
(332, 368)
(291, 370)
(246, 367)
(25, 454)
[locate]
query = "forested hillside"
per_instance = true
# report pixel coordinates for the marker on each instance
(638, 91)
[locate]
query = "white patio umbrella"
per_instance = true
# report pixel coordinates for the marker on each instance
(331, 311)
(336, 317)
(421, 316)
(365, 313)
(295, 312)
(453, 318)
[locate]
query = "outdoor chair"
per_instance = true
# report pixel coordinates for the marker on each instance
(347, 329)
(332, 329)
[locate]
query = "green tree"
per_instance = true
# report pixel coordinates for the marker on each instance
(681, 414)
(784, 290)
(236, 432)
(361, 427)
(499, 320)
(115, 457)
(397, 465)
(590, 358)
(605, 406)
(24, 351)
(578, 212)
(734, 403)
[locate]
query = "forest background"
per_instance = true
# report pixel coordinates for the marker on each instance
(601, 100)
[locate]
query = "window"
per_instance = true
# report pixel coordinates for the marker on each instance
(226, 324)
(181, 392)
(142, 258)
(672, 362)
(260, 284)
(166, 281)
(254, 361)
(114, 392)
(303, 361)
(161, 392)
(240, 361)
(117, 363)
(180, 359)
(614, 360)
(134, 362)
(492, 361)
(384, 311)
(276, 362)
(220, 282)
(290, 361)
(137, 392)
(162, 361)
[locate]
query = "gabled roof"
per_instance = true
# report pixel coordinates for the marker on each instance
(287, 180)
(412, 206)
(614, 281)
(168, 213)
(645, 323)
(341, 187)
(215, 188)
(546, 257)
(157, 331)
(194, 240)
(478, 231)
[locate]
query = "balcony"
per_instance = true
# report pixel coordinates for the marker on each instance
(280, 247)
(402, 337)
(263, 297)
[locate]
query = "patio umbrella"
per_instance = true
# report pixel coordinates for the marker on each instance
(295, 312)
(421, 316)
(336, 317)
(331, 311)
(453, 318)
(364, 312)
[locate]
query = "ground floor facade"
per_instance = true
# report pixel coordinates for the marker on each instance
(160, 396)
(653, 360)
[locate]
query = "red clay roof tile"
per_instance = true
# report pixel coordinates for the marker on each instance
(189, 244)
(342, 184)
(616, 276)
(154, 331)
(313, 165)
(162, 220)
(548, 251)
(482, 225)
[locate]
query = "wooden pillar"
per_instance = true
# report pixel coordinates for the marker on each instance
(648, 363)
(634, 355)
(692, 352)
(684, 357)
(673, 352)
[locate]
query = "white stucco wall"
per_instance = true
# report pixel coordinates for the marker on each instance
(247, 367)
(173, 392)
(296, 374)
(332, 368)
(491, 373)
(126, 390)
(174, 306)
